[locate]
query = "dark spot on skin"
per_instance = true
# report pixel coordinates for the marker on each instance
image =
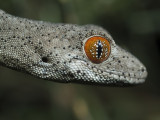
(77, 47)
(36, 47)
(70, 74)
(64, 48)
(129, 74)
(78, 71)
(45, 59)
(58, 62)
(119, 61)
(142, 70)
(101, 71)
(80, 34)
(72, 37)
(83, 74)
(47, 55)
(29, 41)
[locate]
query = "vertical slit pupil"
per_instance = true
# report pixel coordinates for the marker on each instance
(99, 48)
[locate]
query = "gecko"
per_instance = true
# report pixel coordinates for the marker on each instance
(67, 53)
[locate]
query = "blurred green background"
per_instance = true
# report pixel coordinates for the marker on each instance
(134, 24)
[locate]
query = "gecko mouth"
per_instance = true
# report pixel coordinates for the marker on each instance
(124, 77)
(114, 77)
(91, 74)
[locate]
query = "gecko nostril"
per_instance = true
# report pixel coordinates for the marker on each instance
(45, 59)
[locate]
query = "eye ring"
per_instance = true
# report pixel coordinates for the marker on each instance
(97, 49)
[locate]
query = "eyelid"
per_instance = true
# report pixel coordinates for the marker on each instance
(97, 49)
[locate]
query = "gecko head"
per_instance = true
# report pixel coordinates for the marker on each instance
(88, 55)
(67, 53)
(102, 62)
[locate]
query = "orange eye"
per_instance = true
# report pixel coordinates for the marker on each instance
(97, 49)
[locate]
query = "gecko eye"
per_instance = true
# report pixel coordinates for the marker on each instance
(97, 49)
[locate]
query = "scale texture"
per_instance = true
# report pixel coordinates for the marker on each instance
(56, 52)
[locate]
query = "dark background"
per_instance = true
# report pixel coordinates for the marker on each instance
(134, 24)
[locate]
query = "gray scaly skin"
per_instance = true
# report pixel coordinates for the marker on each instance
(56, 52)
